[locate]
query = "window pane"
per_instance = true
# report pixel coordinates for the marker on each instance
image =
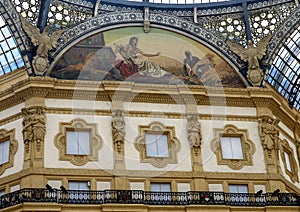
(71, 143)
(78, 143)
(162, 143)
(151, 145)
(84, 143)
(157, 145)
(287, 161)
(231, 148)
(236, 146)
(76, 185)
(166, 187)
(226, 149)
(161, 187)
(4, 151)
(155, 187)
(238, 188)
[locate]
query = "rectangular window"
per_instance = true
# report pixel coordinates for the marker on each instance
(287, 161)
(157, 145)
(78, 142)
(231, 148)
(238, 188)
(4, 151)
(161, 187)
(79, 185)
(79, 191)
(238, 194)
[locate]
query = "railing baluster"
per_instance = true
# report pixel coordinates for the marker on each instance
(147, 197)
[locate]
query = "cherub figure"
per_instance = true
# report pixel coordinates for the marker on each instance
(44, 43)
(252, 55)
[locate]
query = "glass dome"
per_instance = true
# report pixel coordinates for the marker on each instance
(10, 57)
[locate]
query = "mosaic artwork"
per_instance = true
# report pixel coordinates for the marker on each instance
(160, 57)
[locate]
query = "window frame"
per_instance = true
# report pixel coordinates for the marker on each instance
(5, 143)
(293, 172)
(232, 152)
(6, 135)
(157, 144)
(174, 145)
(60, 141)
(78, 141)
(248, 147)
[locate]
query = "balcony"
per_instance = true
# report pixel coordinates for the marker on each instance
(33, 195)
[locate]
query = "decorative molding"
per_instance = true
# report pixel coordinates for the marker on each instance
(95, 141)
(173, 144)
(6, 135)
(293, 174)
(64, 89)
(248, 147)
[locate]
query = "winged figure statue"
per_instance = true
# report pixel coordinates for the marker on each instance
(252, 55)
(44, 43)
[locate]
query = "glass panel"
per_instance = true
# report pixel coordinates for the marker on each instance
(287, 161)
(236, 146)
(151, 145)
(10, 57)
(71, 143)
(155, 187)
(226, 150)
(165, 187)
(238, 188)
(156, 145)
(162, 141)
(4, 151)
(160, 187)
(231, 148)
(84, 143)
(78, 143)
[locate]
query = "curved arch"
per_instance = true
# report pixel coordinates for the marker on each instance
(284, 56)
(281, 35)
(13, 22)
(116, 20)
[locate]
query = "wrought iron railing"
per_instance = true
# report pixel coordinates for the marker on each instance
(146, 197)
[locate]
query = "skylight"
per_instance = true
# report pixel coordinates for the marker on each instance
(10, 57)
(285, 72)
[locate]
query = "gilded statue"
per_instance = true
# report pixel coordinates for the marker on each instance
(252, 55)
(44, 43)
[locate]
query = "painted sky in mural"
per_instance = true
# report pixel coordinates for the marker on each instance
(129, 54)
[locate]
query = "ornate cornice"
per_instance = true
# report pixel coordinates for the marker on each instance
(164, 94)
(97, 174)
